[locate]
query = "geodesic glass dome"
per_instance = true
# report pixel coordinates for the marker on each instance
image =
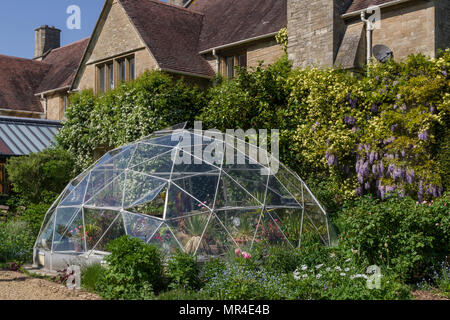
(200, 205)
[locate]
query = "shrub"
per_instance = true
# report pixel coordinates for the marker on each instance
(401, 234)
(134, 270)
(130, 112)
(368, 134)
(183, 271)
(238, 282)
(90, 275)
(333, 280)
(16, 242)
(40, 177)
(34, 215)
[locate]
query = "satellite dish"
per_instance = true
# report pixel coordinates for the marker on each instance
(382, 53)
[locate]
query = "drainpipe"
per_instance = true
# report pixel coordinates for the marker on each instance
(217, 60)
(44, 101)
(369, 29)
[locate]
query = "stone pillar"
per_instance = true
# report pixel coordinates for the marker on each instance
(46, 38)
(315, 31)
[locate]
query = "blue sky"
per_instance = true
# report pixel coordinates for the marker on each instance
(19, 18)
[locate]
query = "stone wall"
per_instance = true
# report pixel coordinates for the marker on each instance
(315, 31)
(55, 107)
(268, 51)
(408, 28)
(442, 15)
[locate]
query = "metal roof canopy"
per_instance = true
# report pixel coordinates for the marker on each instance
(22, 136)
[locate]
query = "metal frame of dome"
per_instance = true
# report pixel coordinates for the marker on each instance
(204, 208)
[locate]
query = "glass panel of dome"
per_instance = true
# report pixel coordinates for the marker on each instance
(182, 204)
(241, 224)
(76, 196)
(289, 222)
(160, 166)
(231, 195)
(216, 241)
(269, 232)
(114, 231)
(97, 222)
(145, 152)
(72, 240)
(139, 187)
(46, 237)
(189, 230)
(152, 204)
(110, 196)
(140, 226)
(164, 239)
(64, 217)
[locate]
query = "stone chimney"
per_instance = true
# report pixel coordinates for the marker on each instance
(315, 31)
(46, 38)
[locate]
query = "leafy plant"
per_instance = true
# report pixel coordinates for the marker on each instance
(183, 271)
(134, 270)
(40, 176)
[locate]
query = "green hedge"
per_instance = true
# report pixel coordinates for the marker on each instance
(369, 134)
(130, 112)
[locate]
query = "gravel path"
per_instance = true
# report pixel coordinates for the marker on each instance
(19, 286)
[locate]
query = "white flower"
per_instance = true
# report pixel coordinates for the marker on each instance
(338, 268)
(318, 276)
(352, 277)
(364, 276)
(347, 269)
(305, 276)
(342, 274)
(304, 267)
(296, 274)
(348, 260)
(319, 266)
(328, 269)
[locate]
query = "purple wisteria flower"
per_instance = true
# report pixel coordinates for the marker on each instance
(399, 96)
(432, 110)
(410, 174)
(423, 135)
(331, 158)
(374, 108)
(356, 129)
(349, 120)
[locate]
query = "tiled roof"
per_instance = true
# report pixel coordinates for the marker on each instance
(64, 62)
(171, 33)
(22, 136)
(363, 4)
(19, 80)
(229, 21)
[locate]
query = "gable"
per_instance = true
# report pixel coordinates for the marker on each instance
(115, 35)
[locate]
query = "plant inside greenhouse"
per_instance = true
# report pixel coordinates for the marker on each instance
(162, 190)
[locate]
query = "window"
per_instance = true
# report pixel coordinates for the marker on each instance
(132, 68)
(122, 70)
(230, 67)
(110, 73)
(65, 104)
(102, 78)
(4, 185)
(110, 76)
(230, 62)
(243, 60)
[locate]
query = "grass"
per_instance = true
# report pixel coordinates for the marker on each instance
(90, 273)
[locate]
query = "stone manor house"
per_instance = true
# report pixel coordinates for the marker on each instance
(197, 39)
